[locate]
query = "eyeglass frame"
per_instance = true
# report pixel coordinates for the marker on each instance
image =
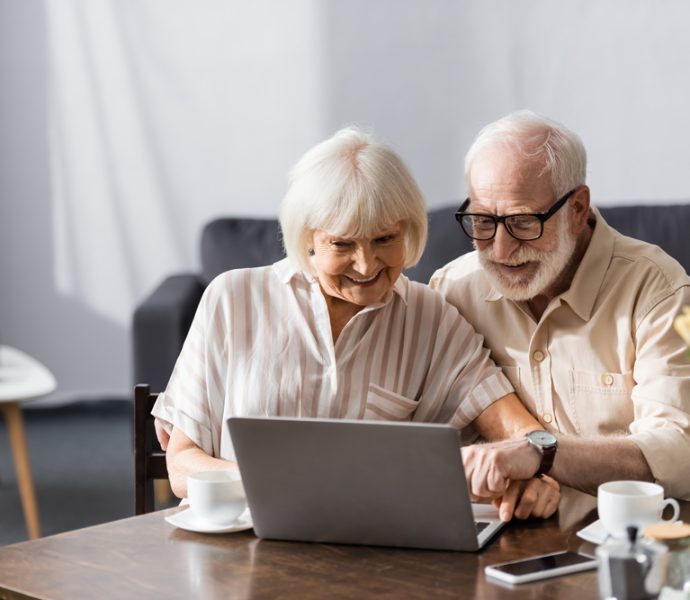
(542, 217)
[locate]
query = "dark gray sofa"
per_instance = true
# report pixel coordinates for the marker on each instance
(162, 320)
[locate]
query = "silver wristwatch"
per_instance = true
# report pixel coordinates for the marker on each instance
(546, 444)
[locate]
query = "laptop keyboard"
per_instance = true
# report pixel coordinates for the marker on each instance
(481, 525)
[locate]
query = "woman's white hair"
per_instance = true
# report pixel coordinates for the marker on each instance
(351, 186)
(536, 137)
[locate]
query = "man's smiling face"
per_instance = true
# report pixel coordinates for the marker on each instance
(504, 183)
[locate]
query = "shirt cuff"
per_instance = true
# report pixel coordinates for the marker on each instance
(170, 416)
(667, 452)
(492, 388)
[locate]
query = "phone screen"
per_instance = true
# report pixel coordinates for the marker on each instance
(543, 563)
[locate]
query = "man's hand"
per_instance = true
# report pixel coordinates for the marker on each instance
(490, 468)
(536, 497)
(162, 435)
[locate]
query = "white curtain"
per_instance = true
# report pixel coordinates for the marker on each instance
(158, 125)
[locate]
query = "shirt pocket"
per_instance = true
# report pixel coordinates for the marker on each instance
(601, 402)
(384, 405)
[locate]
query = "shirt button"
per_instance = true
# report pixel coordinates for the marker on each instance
(547, 418)
(607, 379)
(538, 355)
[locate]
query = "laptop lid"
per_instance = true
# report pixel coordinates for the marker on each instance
(356, 482)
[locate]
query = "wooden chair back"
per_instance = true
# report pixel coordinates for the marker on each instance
(149, 458)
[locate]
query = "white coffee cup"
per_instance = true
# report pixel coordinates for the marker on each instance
(622, 504)
(216, 497)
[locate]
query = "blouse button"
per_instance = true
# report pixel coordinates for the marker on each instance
(538, 355)
(547, 418)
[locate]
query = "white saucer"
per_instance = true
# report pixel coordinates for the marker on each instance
(594, 532)
(186, 519)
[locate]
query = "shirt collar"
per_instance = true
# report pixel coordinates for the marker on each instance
(286, 272)
(589, 276)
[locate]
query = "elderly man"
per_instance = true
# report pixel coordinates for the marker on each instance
(579, 317)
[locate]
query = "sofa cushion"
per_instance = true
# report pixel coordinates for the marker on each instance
(666, 226)
(234, 243)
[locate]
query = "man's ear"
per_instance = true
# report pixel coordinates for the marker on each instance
(579, 206)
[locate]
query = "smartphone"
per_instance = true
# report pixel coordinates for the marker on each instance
(541, 567)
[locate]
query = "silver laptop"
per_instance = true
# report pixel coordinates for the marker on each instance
(358, 482)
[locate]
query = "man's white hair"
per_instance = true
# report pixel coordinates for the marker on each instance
(351, 186)
(536, 137)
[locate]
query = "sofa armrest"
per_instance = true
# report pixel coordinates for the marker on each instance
(160, 326)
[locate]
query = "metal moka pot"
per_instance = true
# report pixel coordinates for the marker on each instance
(629, 570)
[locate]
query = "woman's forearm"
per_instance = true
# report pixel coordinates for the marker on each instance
(184, 457)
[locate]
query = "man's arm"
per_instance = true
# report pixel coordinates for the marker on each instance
(508, 419)
(581, 463)
(584, 463)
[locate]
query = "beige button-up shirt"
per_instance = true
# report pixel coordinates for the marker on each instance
(604, 358)
(261, 344)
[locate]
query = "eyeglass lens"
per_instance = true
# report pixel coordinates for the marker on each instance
(483, 227)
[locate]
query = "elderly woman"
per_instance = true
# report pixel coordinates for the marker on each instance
(336, 330)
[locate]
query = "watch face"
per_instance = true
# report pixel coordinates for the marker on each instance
(543, 438)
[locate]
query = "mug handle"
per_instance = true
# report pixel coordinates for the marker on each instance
(676, 509)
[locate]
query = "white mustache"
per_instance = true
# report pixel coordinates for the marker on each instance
(522, 256)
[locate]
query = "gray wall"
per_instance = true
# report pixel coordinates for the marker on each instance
(423, 75)
(88, 354)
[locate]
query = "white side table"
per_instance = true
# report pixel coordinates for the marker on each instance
(22, 378)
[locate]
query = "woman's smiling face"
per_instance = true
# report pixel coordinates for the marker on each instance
(359, 271)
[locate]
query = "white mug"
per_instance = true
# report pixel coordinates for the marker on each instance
(216, 497)
(622, 504)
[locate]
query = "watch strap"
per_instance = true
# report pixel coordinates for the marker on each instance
(546, 449)
(547, 457)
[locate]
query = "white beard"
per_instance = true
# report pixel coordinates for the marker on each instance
(551, 264)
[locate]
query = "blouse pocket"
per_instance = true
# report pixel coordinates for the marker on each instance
(384, 405)
(601, 402)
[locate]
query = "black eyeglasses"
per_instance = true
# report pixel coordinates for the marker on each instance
(523, 227)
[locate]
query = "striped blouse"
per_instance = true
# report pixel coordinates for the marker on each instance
(261, 344)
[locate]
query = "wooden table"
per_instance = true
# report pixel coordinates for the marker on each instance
(145, 557)
(22, 378)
